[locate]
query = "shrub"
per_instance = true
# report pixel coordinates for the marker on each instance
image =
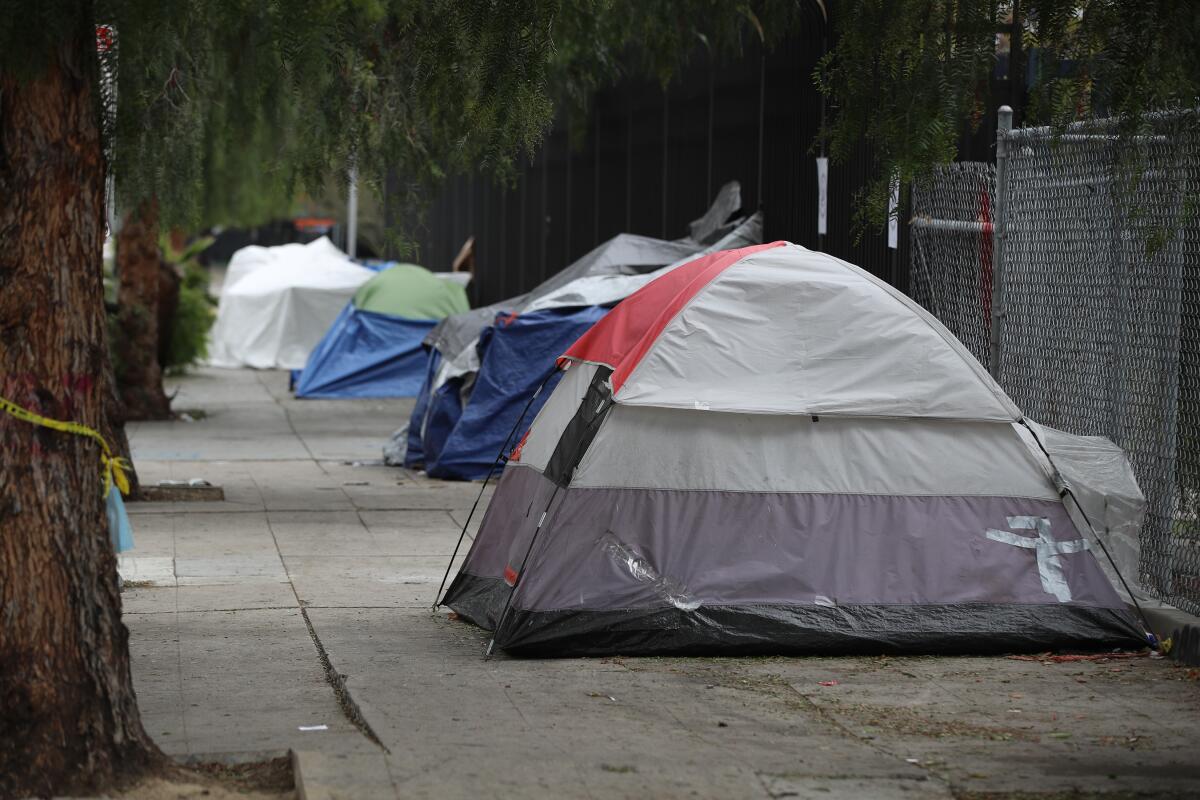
(194, 315)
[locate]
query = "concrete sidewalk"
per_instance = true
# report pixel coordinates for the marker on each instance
(302, 601)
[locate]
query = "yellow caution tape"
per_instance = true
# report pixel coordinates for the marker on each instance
(113, 467)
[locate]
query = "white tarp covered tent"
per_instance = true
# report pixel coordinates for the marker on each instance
(277, 303)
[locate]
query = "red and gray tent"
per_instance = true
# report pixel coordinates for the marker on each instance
(770, 450)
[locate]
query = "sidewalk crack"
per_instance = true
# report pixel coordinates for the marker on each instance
(337, 682)
(335, 679)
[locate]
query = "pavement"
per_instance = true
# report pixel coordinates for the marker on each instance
(295, 615)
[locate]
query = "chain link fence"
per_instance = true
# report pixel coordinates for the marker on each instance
(1101, 302)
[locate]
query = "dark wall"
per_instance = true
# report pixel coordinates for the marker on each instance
(651, 161)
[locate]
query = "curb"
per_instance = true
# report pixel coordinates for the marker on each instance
(341, 776)
(1181, 628)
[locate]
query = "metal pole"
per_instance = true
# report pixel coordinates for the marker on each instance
(352, 214)
(520, 574)
(821, 232)
(1003, 130)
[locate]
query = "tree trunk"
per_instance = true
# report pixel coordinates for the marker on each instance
(139, 376)
(68, 715)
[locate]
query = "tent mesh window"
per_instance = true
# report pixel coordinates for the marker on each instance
(1101, 288)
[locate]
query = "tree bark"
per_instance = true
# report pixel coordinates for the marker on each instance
(68, 714)
(139, 375)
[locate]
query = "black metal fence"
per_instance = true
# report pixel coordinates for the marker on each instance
(651, 160)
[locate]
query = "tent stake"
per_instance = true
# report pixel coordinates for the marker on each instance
(437, 598)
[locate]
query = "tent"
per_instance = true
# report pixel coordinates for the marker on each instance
(601, 278)
(373, 348)
(518, 356)
(539, 341)
(770, 450)
(277, 302)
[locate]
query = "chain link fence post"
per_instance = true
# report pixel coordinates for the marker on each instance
(1003, 129)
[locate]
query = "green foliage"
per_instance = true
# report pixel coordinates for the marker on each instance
(195, 277)
(227, 106)
(195, 311)
(187, 255)
(902, 79)
(224, 109)
(189, 327)
(906, 74)
(602, 40)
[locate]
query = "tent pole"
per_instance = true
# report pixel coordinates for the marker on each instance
(533, 540)
(499, 456)
(520, 573)
(1065, 490)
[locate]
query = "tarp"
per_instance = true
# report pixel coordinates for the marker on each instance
(608, 289)
(1105, 494)
(407, 441)
(406, 290)
(366, 354)
(374, 348)
(769, 450)
(518, 355)
(602, 278)
(458, 340)
(446, 404)
(278, 303)
(623, 255)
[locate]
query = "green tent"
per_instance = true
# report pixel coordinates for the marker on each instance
(412, 292)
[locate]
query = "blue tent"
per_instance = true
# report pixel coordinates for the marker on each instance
(516, 356)
(414, 455)
(445, 409)
(366, 354)
(434, 415)
(373, 348)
